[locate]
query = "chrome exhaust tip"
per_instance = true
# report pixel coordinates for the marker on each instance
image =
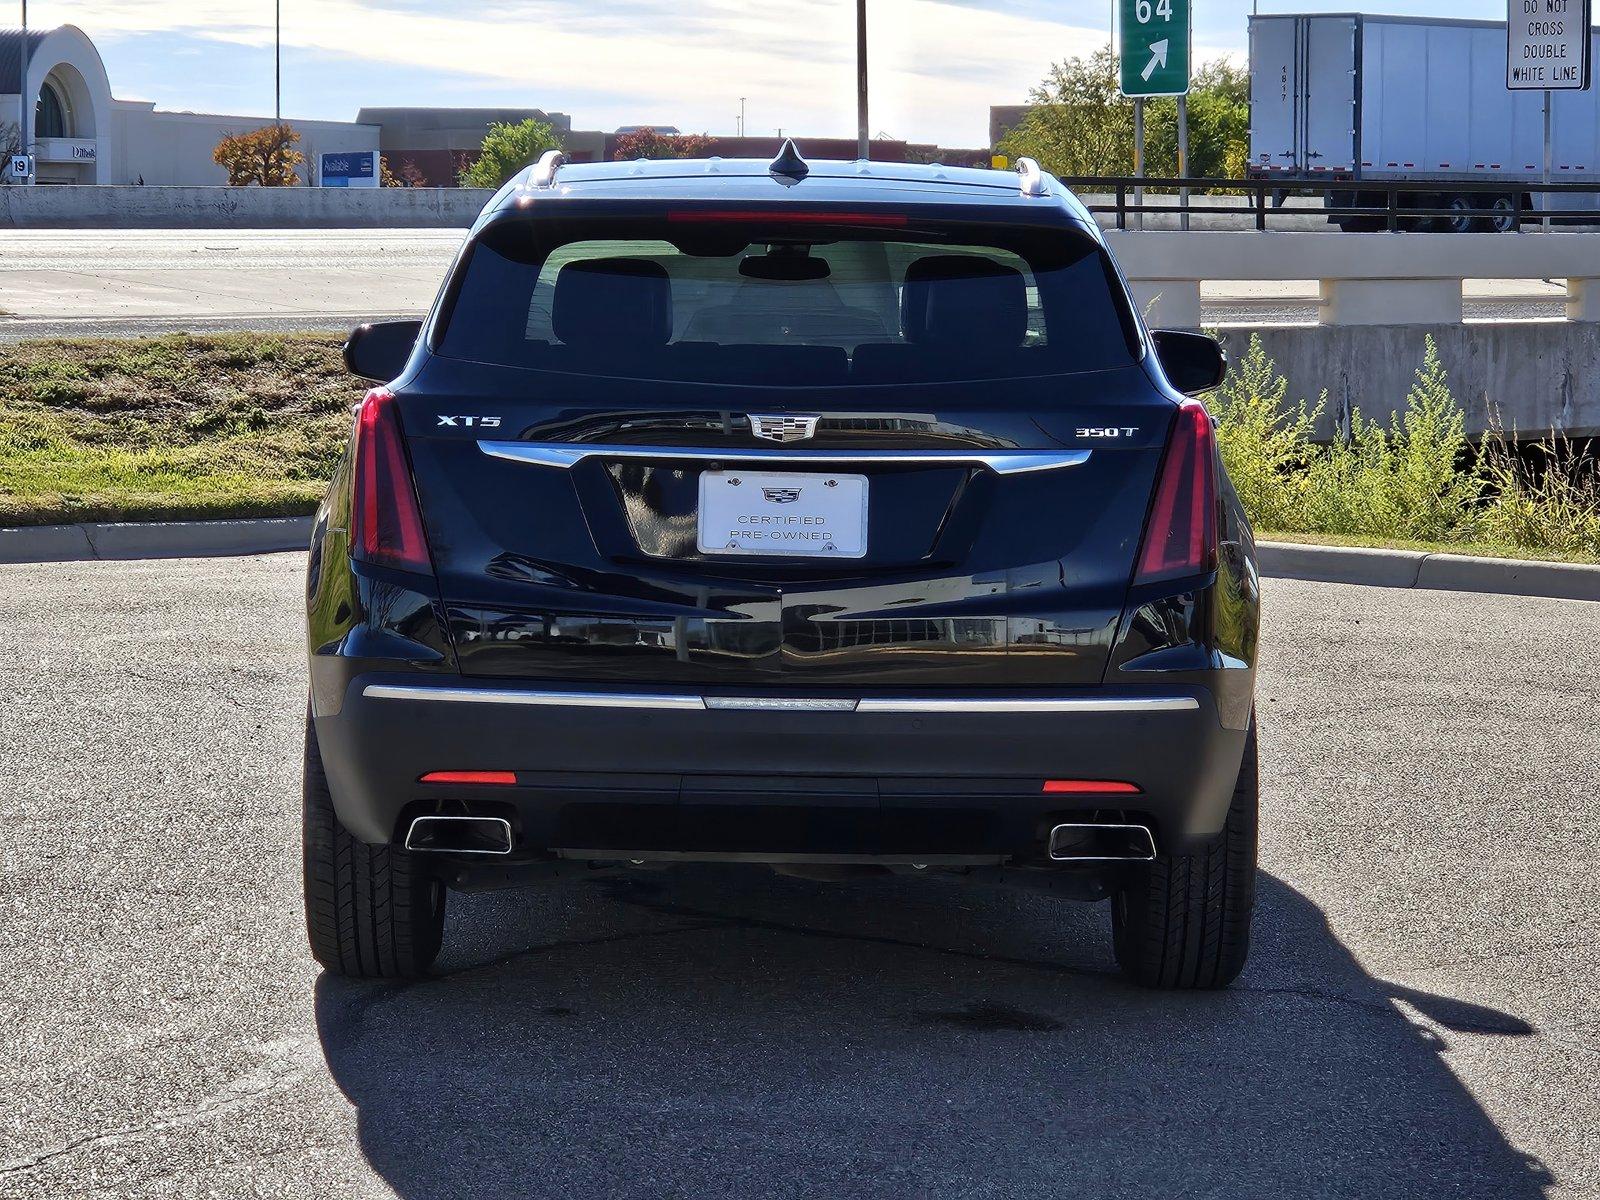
(460, 835)
(1101, 841)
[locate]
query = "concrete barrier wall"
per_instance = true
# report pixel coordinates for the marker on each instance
(1364, 278)
(1541, 375)
(239, 208)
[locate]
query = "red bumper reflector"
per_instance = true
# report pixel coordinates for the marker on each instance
(506, 777)
(1091, 787)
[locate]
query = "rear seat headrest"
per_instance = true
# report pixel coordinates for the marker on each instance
(964, 300)
(618, 301)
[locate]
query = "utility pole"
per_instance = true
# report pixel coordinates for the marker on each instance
(741, 116)
(863, 143)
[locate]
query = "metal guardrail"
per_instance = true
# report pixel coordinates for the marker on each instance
(1395, 213)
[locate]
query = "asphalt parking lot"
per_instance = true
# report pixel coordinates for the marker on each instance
(1418, 1018)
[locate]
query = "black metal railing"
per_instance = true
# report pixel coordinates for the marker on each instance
(1401, 205)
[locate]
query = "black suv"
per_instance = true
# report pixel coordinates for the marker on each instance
(840, 517)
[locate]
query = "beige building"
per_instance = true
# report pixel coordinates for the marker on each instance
(79, 133)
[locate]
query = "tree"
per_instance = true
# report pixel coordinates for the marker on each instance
(1219, 121)
(410, 174)
(506, 150)
(1080, 124)
(265, 156)
(1077, 123)
(647, 143)
(10, 143)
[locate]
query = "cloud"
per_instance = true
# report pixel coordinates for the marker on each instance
(936, 66)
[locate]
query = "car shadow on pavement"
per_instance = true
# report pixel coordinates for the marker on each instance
(732, 1033)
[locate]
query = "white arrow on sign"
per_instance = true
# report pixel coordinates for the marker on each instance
(1158, 58)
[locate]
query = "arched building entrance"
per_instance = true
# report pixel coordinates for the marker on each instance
(69, 117)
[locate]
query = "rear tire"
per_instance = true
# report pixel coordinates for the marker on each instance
(372, 912)
(1183, 921)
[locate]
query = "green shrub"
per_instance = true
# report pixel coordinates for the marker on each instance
(1265, 445)
(1419, 479)
(1347, 485)
(1430, 493)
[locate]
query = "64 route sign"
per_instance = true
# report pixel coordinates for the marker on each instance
(1153, 47)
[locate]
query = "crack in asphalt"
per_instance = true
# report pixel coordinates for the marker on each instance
(118, 1187)
(572, 944)
(768, 925)
(205, 683)
(206, 1110)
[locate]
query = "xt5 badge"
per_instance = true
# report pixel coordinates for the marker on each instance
(470, 422)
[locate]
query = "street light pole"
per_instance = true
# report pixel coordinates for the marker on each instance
(863, 145)
(277, 62)
(23, 115)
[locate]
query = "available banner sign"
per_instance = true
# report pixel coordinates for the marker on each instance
(353, 168)
(1547, 45)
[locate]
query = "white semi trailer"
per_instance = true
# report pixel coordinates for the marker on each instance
(1369, 99)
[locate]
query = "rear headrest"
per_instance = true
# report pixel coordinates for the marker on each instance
(626, 301)
(962, 300)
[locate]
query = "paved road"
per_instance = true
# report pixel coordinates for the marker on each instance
(1418, 1019)
(65, 283)
(114, 281)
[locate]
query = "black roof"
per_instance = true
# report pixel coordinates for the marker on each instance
(11, 57)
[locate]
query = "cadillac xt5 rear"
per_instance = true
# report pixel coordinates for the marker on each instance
(841, 518)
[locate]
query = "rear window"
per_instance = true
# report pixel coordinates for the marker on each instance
(768, 301)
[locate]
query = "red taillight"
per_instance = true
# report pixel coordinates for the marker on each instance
(502, 777)
(385, 522)
(1090, 787)
(1181, 538)
(778, 217)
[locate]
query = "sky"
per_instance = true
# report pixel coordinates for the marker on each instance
(936, 65)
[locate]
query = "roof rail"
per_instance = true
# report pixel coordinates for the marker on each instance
(544, 171)
(1033, 183)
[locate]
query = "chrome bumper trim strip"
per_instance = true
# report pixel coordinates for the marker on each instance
(466, 695)
(869, 704)
(981, 704)
(1001, 462)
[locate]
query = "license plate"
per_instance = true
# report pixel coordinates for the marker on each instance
(802, 516)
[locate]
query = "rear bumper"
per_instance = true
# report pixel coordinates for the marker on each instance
(677, 771)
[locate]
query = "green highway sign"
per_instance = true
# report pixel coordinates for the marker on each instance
(1153, 47)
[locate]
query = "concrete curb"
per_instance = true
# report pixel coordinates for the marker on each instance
(1280, 560)
(140, 539)
(1439, 572)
